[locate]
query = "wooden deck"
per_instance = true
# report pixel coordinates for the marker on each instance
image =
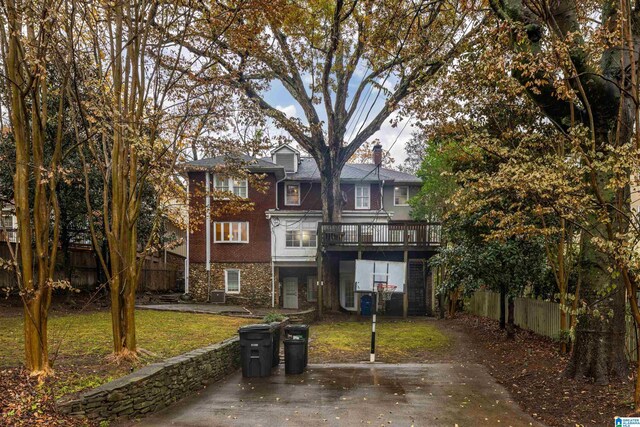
(409, 235)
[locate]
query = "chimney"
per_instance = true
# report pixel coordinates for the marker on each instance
(377, 154)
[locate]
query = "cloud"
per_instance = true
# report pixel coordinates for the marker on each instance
(289, 110)
(395, 138)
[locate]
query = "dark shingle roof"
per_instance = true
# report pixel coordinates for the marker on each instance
(253, 164)
(308, 170)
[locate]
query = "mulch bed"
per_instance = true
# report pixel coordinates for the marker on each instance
(25, 402)
(531, 368)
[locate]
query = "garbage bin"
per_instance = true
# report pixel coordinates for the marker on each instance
(256, 350)
(276, 343)
(299, 332)
(294, 356)
(365, 305)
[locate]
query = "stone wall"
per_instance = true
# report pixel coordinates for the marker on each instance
(156, 386)
(255, 282)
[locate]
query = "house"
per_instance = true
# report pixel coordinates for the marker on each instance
(270, 256)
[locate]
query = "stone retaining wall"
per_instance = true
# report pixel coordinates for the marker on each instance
(306, 316)
(156, 386)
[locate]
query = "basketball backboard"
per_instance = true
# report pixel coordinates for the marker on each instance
(369, 273)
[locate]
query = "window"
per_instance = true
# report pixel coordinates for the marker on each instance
(301, 235)
(231, 232)
(312, 288)
(401, 196)
(286, 160)
(7, 228)
(232, 281)
(292, 195)
(237, 186)
(363, 196)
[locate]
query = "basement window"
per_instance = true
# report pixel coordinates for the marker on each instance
(232, 281)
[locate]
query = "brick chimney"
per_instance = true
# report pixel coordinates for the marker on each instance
(377, 154)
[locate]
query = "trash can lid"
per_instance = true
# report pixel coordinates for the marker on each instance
(296, 327)
(255, 327)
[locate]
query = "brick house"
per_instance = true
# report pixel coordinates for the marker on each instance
(270, 256)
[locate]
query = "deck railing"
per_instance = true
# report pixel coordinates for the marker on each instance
(410, 233)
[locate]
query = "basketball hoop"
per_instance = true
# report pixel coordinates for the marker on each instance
(386, 291)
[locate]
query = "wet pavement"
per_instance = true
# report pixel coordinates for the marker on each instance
(444, 394)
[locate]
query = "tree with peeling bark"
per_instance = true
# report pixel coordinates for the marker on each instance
(132, 115)
(34, 70)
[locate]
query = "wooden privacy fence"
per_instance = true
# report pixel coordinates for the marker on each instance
(541, 317)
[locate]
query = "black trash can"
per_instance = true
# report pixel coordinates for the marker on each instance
(299, 332)
(256, 350)
(294, 356)
(276, 343)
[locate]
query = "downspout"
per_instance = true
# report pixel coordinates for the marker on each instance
(208, 232)
(273, 267)
(186, 261)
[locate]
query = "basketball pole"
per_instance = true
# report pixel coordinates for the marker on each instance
(372, 356)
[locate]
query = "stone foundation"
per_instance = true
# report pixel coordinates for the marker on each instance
(255, 283)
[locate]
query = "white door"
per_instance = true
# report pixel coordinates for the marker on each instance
(347, 291)
(290, 292)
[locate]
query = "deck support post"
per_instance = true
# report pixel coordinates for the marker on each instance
(405, 294)
(320, 287)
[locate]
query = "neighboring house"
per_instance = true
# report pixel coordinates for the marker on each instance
(270, 256)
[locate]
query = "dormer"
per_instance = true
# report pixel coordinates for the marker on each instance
(287, 157)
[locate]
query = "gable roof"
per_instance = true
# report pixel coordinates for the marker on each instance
(308, 170)
(353, 172)
(281, 146)
(252, 163)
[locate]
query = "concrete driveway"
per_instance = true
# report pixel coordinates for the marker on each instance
(444, 394)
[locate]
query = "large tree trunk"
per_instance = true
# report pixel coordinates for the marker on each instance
(600, 333)
(331, 197)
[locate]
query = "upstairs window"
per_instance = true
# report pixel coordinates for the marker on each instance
(232, 281)
(401, 196)
(363, 197)
(301, 235)
(231, 232)
(292, 194)
(287, 160)
(237, 186)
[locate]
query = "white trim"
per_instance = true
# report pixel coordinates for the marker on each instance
(285, 145)
(297, 184)
(186, 260)
(362, 187)
(394, 195)
(208, 221)
(215, 234)
(226, 281)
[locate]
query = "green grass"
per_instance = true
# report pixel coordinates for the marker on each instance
(80, 343)
(396, 341)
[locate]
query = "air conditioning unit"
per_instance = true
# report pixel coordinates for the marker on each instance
(217, 297)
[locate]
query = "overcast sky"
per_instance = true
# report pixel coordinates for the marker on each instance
(280, 98)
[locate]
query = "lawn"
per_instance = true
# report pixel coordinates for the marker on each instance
(396, 341)
(80, 343)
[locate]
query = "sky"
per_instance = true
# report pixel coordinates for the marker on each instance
(389, 136)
